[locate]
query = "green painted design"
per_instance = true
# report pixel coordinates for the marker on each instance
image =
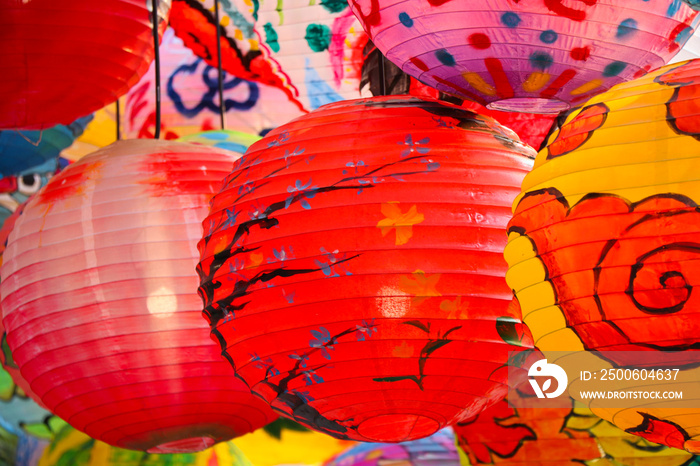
(271, 37)
(318, 36)
(334, 6)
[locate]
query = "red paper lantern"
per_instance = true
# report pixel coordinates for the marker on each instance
(99, 306)
(5, 357)
(351, 266)
(63, 60)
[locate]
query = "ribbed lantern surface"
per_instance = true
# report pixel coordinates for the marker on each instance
(526, 55)
(100, 304)
(564, 436)
(603, 245)
(351, 266)
(61, 60)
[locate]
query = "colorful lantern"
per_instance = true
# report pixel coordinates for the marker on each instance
(603, 242)
(61, 63)
(72, 447)
(510, 436)
(20, 449)
(106, 328)
(436, 450)
(690, 50)
(286, 442)
(190, 98)
(350, 267)
(22, 150)
(694, 4)
(526, 56)
(100, 132)
(233, 141)
(310, 50)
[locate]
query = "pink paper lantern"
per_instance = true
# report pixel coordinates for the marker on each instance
(100, 304)
(527, 55)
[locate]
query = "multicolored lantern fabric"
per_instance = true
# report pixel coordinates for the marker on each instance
(74, 448)
(62, 61)
(28, 159)
(526, 56)
(436, 450)
(286, 442)
(223, 139)
(107, 328)
(190, 98)
(694, 4)
(351, 267)
(312, 51)
(603, 245)
(20, 449)
(510, 436)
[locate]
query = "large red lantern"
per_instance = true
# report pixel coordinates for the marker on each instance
(63, 60)
(526, 55)
(351, 266)
(99, 305)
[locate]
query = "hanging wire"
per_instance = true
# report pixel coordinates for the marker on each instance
(156, 133)
(222, 103)
(118, 118)
(382, 76)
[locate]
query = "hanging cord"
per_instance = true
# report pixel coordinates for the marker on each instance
(118, 118)
(382, 73)
(222, 103)
(156, 133)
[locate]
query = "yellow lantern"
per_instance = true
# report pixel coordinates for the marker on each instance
(603, 246)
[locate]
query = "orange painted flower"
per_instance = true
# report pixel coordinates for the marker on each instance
(402, 222)
(419, 285)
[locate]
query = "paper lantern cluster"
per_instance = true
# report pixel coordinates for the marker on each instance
(352, 267)
(563, 436)
(62, 62)
(99, 303)
(310, 50)
(526, 55)
(74, 448)
(436, 450)
(190, 99)
(604, 240)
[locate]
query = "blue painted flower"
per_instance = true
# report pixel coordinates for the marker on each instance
(303, 358)
(299, 187)
(230, 219)
(257, 211)
(235, 268)
(305, 396)
(295, 152)
(322, 340)
(282, 137)
(366, 329)
(413, 146)
(354, 165)
(282, 255)
(311, 377)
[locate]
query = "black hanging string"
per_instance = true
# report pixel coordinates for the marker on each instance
(118, 118)
(382, 76)
(156, 134)
(222, 103)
